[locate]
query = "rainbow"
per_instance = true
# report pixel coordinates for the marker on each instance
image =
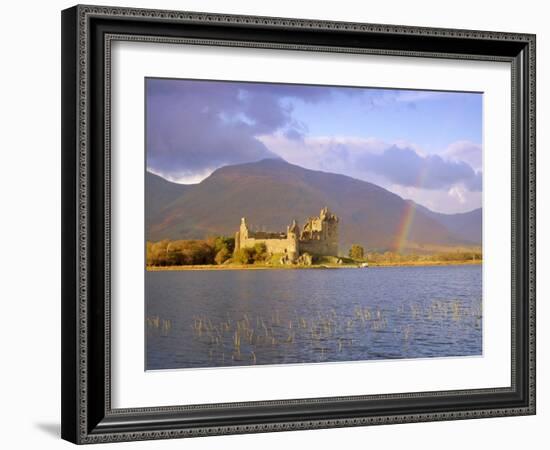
(407, 218)
(404, 227)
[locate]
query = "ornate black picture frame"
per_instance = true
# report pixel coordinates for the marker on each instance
(87, 34)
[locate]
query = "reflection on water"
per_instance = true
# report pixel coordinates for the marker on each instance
(241, 318)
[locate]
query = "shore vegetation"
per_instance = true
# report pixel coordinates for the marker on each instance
(218, 253)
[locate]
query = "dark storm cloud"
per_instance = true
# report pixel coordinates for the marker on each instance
(405, 167)
(196, 126)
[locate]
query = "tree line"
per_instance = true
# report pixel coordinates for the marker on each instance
(358, 253)
(215, 250)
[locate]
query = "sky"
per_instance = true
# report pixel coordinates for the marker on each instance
(422, 145)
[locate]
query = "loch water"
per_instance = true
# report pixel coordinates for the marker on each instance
(215, 318)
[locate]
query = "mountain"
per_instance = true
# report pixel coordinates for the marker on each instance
(270, 193)
(159, 194)
(466, 226)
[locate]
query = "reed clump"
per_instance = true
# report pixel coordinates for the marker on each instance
(163, 326)
(283, 336)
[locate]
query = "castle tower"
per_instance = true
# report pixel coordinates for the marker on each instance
(330, 228)
(292, 236)
(243, 229)
(241, 236)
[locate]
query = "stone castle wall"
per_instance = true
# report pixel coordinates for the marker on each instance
(273, 245)
(319, 247)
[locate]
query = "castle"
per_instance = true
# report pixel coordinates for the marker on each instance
(319, 237)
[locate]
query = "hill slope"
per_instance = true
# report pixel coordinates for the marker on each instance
(159, 194)
(466, 226)
(270, 193)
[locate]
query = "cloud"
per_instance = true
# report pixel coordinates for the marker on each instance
(333, 154)
(466, 151)
(294, 134)
(197, 126)
(458, 193)
(402, 165)
(456, 199)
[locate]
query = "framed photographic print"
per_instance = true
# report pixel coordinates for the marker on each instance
(281, 224)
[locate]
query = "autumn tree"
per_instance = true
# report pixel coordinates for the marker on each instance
(356, 252)
(223, 248)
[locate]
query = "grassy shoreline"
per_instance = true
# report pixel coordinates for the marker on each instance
(314, 266)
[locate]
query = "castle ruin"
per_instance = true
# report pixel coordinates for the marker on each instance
(318, 237)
